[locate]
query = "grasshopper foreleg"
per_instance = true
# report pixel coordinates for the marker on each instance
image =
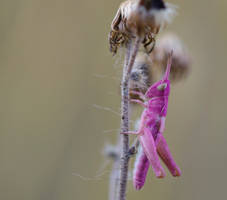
(140, 94)
(141, 127)
(139, 102)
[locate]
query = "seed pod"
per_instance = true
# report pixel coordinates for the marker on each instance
(181, 59)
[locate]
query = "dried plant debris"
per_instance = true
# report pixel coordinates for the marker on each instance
(181, 59)
(147, 68)
(140, 78)
(143, 18)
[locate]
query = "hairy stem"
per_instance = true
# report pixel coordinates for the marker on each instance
(125, 118)
(115, 173)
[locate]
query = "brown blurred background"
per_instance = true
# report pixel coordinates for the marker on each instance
(55, 65)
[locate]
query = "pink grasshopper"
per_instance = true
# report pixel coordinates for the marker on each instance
(150, 131)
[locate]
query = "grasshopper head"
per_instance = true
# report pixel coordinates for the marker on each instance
(162, 87)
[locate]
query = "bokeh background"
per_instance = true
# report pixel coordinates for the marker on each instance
(55, 66)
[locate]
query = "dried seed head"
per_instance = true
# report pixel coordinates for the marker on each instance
(143, 18)
(155, 14)
(181, 59)
(140, 78)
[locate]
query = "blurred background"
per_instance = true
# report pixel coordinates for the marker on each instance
(55, 67)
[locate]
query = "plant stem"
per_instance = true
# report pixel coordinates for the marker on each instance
(115, 173)
(128, 65)
(114, 180)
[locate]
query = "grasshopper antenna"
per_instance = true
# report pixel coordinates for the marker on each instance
(169, 63)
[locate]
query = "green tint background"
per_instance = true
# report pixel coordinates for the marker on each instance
(55, 65)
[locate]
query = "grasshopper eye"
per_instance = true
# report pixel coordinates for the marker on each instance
(162, 86)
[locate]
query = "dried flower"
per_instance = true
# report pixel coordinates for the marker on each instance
(143, 18)
(140, 78)
(181, 59)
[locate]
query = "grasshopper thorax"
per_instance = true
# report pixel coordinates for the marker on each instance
(159, 89)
